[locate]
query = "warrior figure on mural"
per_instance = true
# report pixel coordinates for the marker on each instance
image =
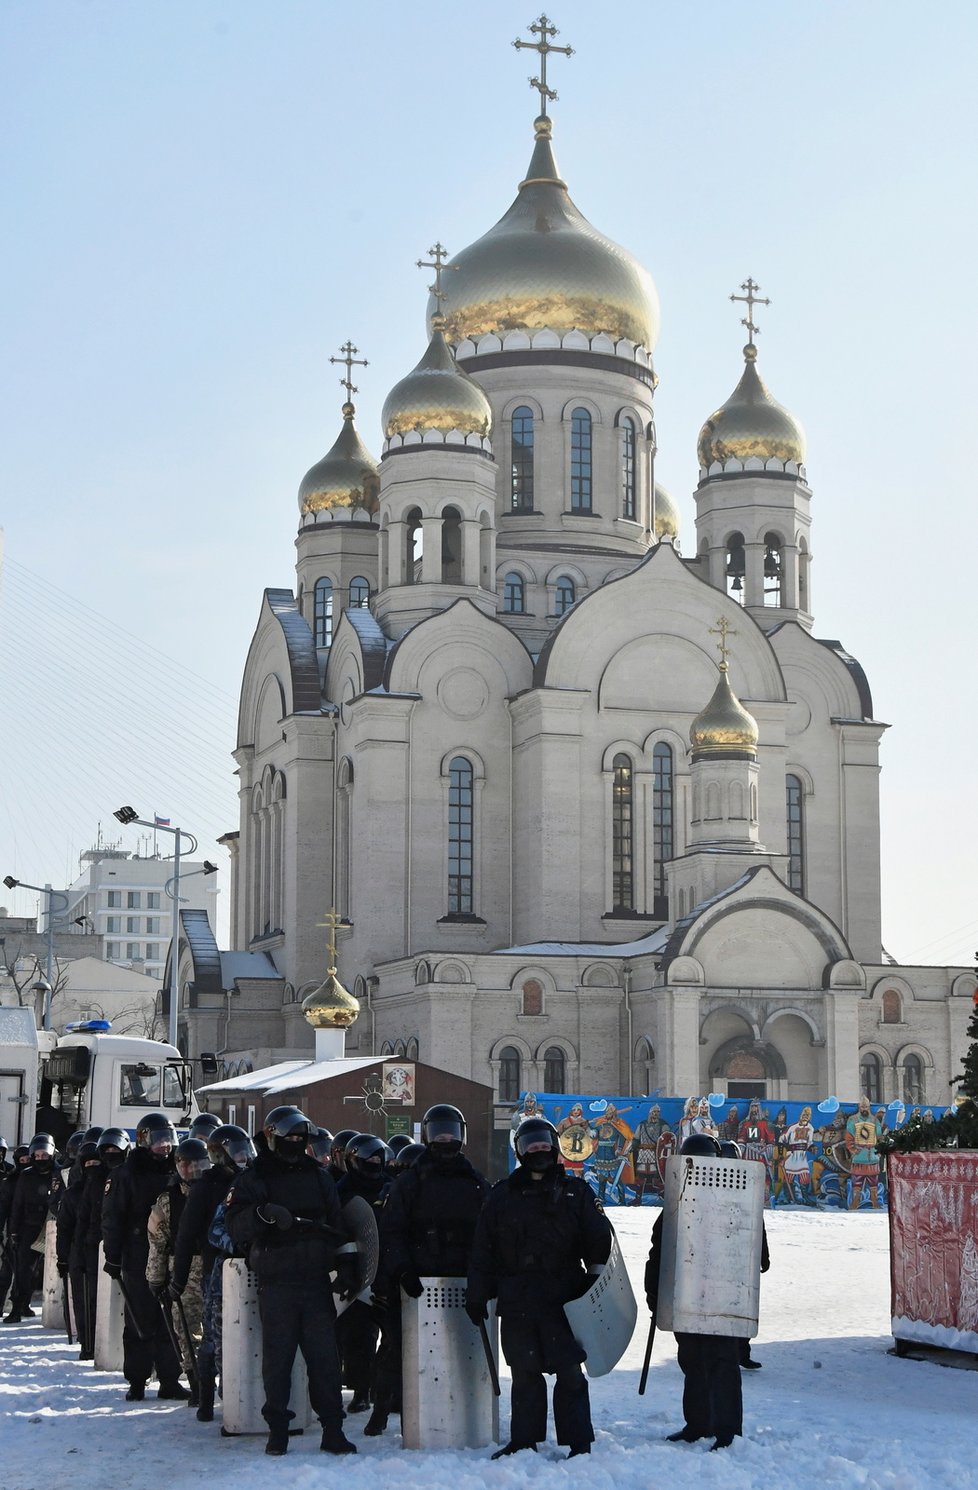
(863, 1133)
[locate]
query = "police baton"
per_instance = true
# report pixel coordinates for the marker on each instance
(66, 1309)
(493, 1373)
(167, 1313)
(644, 1378)
(193, 1374)
(133, 1319)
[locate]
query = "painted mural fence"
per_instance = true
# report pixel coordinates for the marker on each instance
(819, 1156)
(934, 1247)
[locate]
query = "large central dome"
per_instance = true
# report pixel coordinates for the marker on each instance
(544, 266)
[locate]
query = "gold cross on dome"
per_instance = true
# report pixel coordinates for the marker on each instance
(541, 27)
(723, 629)
(350, 361)
(750, 300)
(333, 919)
(437, 263)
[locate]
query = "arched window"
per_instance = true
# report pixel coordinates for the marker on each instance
(773, 569)
(359, 592)
(628, 469)
(460, 837)
(451, 546)
(323, 613)
(413, 546)
(554, 1069)
(622, 891)
(736, 567)
(521, 480)
(913, 1079)
(663, 838)
(564, 594)
(795, 811)
(580, 461)
(869, 1076)
(514, 594)
(509, 1074)
(891, 1011)
(532, 997)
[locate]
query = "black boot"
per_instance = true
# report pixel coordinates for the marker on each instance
(580, 1448)
(136, 1392)
(205, 1392)
(376, 1423)
(685, 1435)
(277, 1441)
(335, 1442)
(173, 1391)
(513, 1448)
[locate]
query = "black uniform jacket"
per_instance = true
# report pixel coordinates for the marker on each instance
(36, 1197)
(127, 1201)
(429, 1219)
(535, 1241)
(305, 1253)
(190, 1238)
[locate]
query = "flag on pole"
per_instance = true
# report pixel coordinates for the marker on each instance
(160, 822)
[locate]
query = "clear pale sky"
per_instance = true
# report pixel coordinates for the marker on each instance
(204, 198)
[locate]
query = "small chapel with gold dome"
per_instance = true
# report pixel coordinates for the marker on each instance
(596, 800)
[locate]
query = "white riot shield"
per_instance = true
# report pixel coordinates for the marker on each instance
(110, 1319)
(712, 1224)
(447, 1396)
(242, 1393)
(53, 1297)
(603, 1319)
(360, 1218)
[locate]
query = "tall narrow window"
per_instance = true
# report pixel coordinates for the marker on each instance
(451, 546)
(521, 481)
(359, 592)
(414, 545)
(628, 477)
(622, 891)
(736, 567)
(323, 615)
(913, 1079)
(509, 1074)
(663, 840)
(580, 461)
(869, 1076)
(460, 805)
(795, 810)
(773, 569)
(564, 594)
(554, 1069)
(514, 594)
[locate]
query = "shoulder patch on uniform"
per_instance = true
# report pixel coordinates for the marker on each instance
(229, 1196)
(598, 1206)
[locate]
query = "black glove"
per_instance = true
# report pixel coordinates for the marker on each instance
(174, 1289)
(477, 1311)
(347, 1281)
(275, 1215)
(412, 1285)
(160, 1292)
(112, 1269)
(62, 1270)
(379, 1305)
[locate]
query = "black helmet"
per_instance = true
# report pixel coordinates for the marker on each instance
(288, 1135)
(192, 1158)
(113, 1138)
(405, 1157)
(74, 1144)
(700, 1146)
(21, 1152)
(3, 1147)
(729, 1149)
(348, 1146)
(339, 1146)
(444, 1126)
(155, 1128)
(278, 1113)
(398, 1142)
(203, 1125)
(42, 1146)
(87, 1151)
(320, 1145)
(535, 1130)
(92, 1135)
(367, 1155)
(229, 1147)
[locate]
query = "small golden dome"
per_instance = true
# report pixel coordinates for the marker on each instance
(437, 396)
(665, 515)
(330, 1007)
(544, 265)
(751, 424)
(346, 477)
(724, 725)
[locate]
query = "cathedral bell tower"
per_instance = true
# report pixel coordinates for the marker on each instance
(437, 488)
(753, 516)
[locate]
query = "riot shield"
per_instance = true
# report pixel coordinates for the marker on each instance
(362, 1223)
(603, 1319)
(448, 1400)
(242, 1392)
(712, 1224)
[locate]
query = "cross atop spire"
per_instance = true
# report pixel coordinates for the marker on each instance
(723, 629)
(333, 919)
(350, 361)
(542, 28)
(750, 300)
(437, 263)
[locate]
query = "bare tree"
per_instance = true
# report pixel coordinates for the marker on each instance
(24, 970)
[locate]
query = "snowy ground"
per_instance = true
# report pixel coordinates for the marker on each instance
(831, 1409)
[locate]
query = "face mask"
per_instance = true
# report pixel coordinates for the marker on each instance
(539, 1162)
(442, 1152)
(290, 1149)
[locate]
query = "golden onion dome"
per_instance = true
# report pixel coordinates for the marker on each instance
(544, 266)
(665, 514)
(437, 396)
(330, 1006)
(346, 477)
(724, 726)
(751, 424)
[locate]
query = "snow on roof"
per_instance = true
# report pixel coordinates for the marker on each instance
(247, 965)
(285, 1076)
(654, 942)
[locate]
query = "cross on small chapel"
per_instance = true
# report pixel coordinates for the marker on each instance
(333, 919)
(723, 629)
(437, 263)
(348, 358)
(750, 300)
(541, 27)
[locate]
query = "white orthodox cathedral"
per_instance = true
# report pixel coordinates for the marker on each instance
(599, 813)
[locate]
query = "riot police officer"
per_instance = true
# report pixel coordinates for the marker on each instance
(38, 1191)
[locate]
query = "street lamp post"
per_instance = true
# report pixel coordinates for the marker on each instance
(127, 816)
(13, 884)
